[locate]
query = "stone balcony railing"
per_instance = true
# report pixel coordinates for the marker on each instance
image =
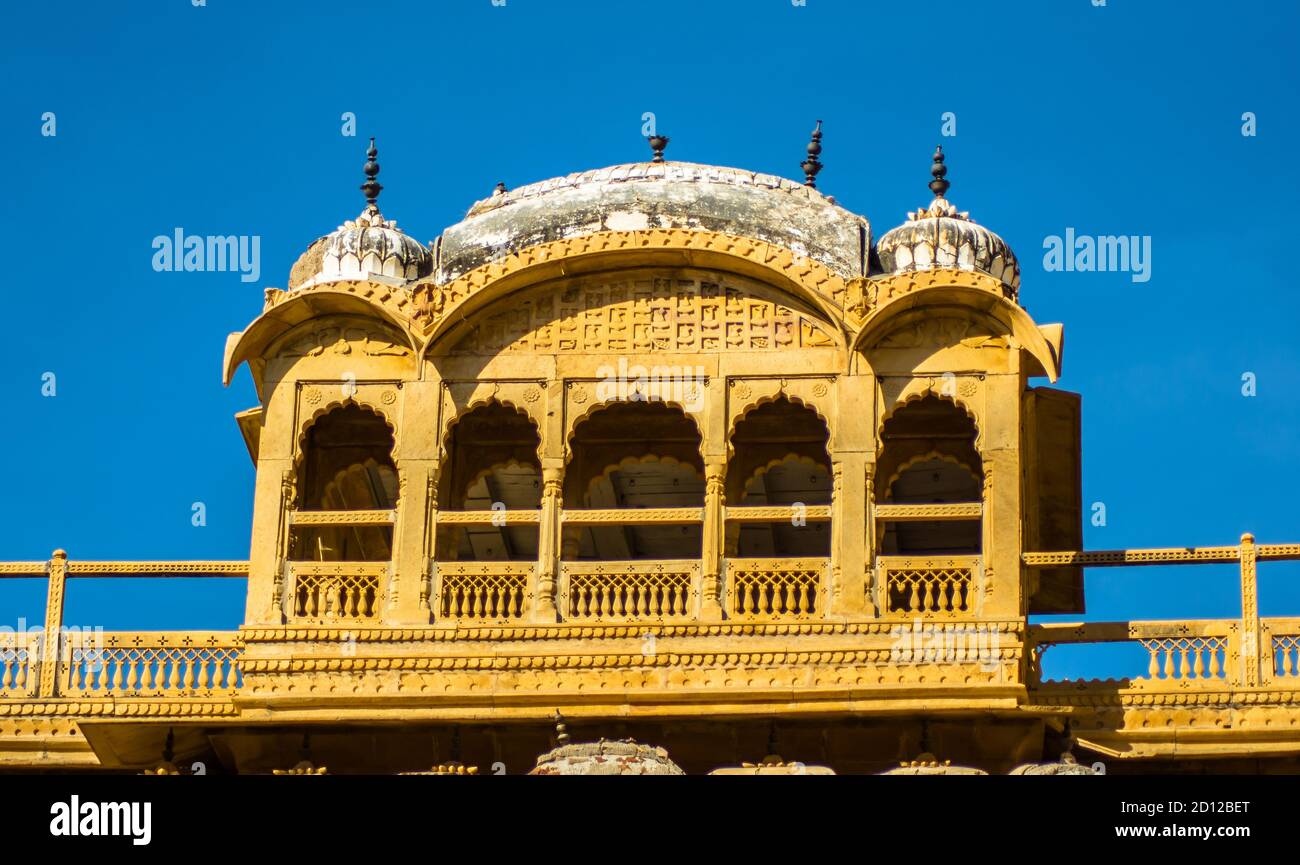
(1183, 655)
(1205, 655)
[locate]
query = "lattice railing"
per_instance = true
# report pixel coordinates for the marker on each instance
(150, 664)
(18, 653)
(612, 591)
(333, 591)
(483, 590)
(1286, 655)
(775, 588)
(929, 585)
(1187, 657)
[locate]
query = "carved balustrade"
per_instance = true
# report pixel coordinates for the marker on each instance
(928, 586)
(484, 591)
(18, 654)
(776, 588)
(663, 590)
(337, 591)
(149, 664)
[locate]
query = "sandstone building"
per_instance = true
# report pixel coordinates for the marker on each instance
(694, 457)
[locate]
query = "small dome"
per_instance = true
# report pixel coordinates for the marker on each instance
(940, 236)
(365, 247)
(369, 245)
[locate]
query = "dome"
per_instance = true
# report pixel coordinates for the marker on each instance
(363, 248)
(657, 195)
(367, 246)
(940, 236)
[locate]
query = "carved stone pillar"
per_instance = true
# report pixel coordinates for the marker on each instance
(430, 537)
(872, 546)
(1250, 630)
(51, 637)
(548, 541)
(715, 475)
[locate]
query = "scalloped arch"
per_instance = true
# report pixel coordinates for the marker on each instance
(595, 408)
(307, 423)
(756, 401)
(927, 457)
(638, 460)
(918, 395)
(477, 403)
(790, 456)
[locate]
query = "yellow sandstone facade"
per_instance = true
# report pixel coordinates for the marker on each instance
(688, 455)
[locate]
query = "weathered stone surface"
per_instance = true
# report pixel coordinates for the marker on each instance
(667, 195)
(606, 758)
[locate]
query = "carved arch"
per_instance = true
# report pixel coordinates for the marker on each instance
(813, 393)
(307, 422)
(643, 459)
(285, 315)
(918, 389)
(589, 407)
(968, 292)
(443, 307)
(933, 455)
(460, 399)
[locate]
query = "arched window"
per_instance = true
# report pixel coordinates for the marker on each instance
(346, 464)
(634, 456)
(928, 456)
(492, 465)
(780, 459)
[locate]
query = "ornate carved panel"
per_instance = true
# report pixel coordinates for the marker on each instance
(647, 313)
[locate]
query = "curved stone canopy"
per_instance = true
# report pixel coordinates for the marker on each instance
(647, 195)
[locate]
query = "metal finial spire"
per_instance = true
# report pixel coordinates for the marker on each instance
(938, 170)
(657, 144)
(812, 164)
(372, 187)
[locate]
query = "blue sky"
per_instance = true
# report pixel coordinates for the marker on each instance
(225, 119)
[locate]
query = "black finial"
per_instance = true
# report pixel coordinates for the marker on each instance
(561, 729)
(657, 144)
(938, 171)
(372, 187)
(812, 164)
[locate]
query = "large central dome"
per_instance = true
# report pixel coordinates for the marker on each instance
(649, 195)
